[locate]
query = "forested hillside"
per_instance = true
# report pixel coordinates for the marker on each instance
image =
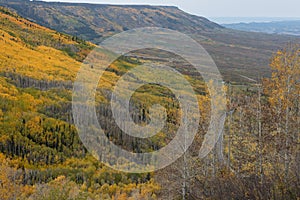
(40, 148)
(257, 155)
(96, 21)
(41, 156)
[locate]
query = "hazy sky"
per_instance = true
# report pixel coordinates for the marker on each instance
(221, 8)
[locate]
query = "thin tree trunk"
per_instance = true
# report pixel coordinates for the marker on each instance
(260, 135)
(286, 154)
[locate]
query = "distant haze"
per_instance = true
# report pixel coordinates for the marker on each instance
(223, 8)
(232, 20)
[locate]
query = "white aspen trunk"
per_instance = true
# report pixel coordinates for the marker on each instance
(184, 178)
(260, 135)
(286, 154)
(229, 131)
(229, 140)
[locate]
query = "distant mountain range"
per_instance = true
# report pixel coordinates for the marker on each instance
(96, 21)
(236, 20)
(276, 27)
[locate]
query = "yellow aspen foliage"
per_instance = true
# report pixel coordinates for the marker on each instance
(283, 87)
(10, 187)
(122, 196)
(34, 125)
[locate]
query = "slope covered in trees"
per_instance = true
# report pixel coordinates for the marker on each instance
(257, 155)
(40, 150)
(94, 21)
(41, 156)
